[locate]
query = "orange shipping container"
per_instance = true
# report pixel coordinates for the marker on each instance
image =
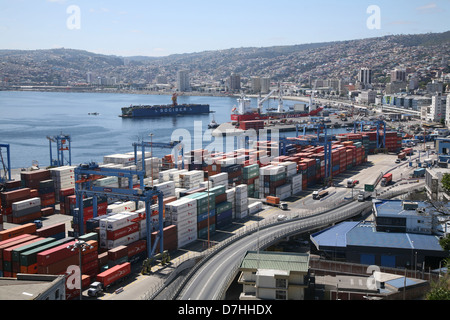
(28, 228)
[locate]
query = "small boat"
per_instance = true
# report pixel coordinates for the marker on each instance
(213, 124)
(93, 113)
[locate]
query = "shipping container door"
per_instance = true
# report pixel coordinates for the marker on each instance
(367, 259)
(388, 261)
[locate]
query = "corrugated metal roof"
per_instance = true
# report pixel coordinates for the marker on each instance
(395, 207)
(364, 234)
(286, 261)
(335, 236)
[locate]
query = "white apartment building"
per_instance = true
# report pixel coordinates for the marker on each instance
(183, 81)
(437, 111)
(274, 276)
(447, 112)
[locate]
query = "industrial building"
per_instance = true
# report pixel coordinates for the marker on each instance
(274, 276)
(399, 236)
(33, 287)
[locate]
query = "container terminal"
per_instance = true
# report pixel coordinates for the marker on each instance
(135, 209)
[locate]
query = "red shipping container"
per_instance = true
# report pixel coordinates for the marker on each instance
(45, 212)
(51, 230)
(89, 267)
(55, 254)
(114, 235)
(28, 228)
(59, 266)
(7, 252)
(117, 253)
(137, 247)
(113, 274)
(14, 242)
(67, 192)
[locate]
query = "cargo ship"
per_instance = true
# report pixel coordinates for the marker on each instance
(174, 109)
(244, 111)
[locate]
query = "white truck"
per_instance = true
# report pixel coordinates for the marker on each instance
(363, 196)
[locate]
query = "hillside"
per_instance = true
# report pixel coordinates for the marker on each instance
(287, 63)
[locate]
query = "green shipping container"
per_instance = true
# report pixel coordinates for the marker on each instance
(28, 258)
(224, 206)
(89, 236)
(17, 252)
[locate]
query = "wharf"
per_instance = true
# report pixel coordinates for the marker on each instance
(227, 129)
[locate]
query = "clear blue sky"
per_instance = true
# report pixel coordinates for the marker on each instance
(163, 27)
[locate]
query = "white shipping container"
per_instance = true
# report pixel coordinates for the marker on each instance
(254, 207)
(241, 202)
(123, 241)
(186, 223)
(182, 233)
(121, 222)
(121, 207)
(241, 214)
(181, 205)
(186, 240)
(25, 204)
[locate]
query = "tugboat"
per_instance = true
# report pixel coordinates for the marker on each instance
(213, 124)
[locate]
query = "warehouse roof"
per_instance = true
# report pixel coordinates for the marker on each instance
(276, 261)
(365, 234)
(26, 287)
(395, 207)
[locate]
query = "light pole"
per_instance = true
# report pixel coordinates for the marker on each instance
(81, 246)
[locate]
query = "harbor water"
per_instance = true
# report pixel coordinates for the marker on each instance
(27, 118)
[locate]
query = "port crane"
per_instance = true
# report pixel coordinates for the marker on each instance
(5, 170)
(63, 143)
(280, 99)
(176, 146)
(326, 143)
(380, 125)
(86, 174)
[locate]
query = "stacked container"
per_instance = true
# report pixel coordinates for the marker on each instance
(220, 179)
(183, 214)
(241, 201)
(26, 210)
(63, 178)
(191, 179)
(167, 188)
(119, 229)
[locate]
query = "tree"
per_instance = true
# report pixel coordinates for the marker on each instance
(441, 289)
(446, 182)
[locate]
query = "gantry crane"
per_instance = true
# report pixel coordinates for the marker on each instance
(380, 124)
(327, 144)
(86, 174)
(63, 143)
(177, 146)
(5, 170)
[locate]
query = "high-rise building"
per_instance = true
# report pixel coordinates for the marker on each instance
(447, 112)
(234, 82)
(398, 75)
(255, 84)
(89, 77)
(183, 81)
(265, 85)
(437, 110)
(365, 76)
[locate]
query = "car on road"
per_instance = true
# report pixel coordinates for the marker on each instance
(282, 217)
(398, 161)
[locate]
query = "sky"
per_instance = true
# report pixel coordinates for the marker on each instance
(160, 28)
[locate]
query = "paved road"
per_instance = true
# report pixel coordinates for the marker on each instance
(212, 277)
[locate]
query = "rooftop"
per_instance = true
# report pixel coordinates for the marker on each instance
(26, 287)
(364, 234)
(283, 261)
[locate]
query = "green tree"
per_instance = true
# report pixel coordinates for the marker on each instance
(446, 182)
(441, 289)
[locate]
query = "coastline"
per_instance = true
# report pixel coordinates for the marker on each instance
(145, 92)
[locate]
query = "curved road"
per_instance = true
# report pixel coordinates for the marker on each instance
(211, 279)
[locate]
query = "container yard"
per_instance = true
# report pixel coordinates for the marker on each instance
(205, 196)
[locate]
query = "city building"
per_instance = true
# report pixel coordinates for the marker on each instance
(435, 87)
(33, 287)
(365, 76)
(398, 75)
(265, 85)
(274, 276)
(447, 112)
(399, 236)
(183, 83)
(396, 87)
(255, 84)
(437, 109)
(234, 82)
(433, 183)
(367, 96)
